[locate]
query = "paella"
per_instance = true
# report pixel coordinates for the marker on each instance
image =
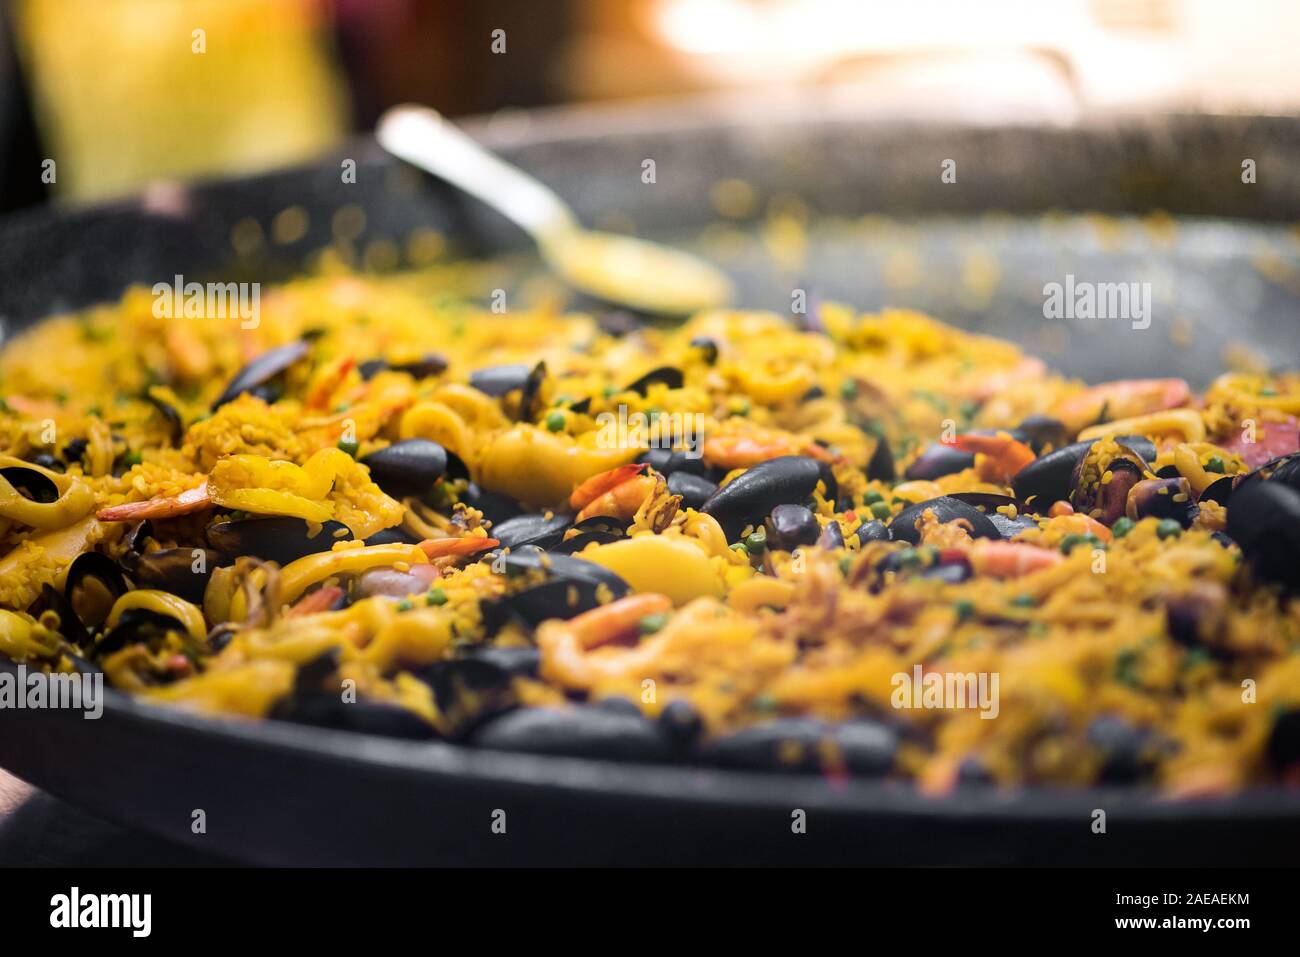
(836, 543)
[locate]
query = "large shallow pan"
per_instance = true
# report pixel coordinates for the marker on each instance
(1223, 260)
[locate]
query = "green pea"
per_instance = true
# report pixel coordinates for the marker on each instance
(555, 421)
(435, 596)
(1216, 464)
(132, 458)
(652, 623)
(405, 605)
(1024, 601)
(1123, 525)
(756, 543)
(849, 389)
(964, 609)
(1168, 528)
(871, 498)
(881, 510)
(349, 446)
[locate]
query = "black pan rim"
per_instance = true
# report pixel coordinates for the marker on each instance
(688, 784)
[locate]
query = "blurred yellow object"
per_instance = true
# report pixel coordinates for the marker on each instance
(128, 91)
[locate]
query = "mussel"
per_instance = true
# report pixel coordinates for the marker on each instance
(589, 732)
(428, 365)
(412, 467)
(1163, 498)
(989, 504)
(554, 585)
(468, 691)
(1047, 479)
(1102, 481)
(938, 460)
(790, 527)
(748, 498)
(533, 528)
(668, 462)
(93, 584)
(497, 381)
(179, 571)
(695, 490)
(1264, 520)
(873, 531)
(262, 370)
(278, 539)
(803, 745)
(946, 509)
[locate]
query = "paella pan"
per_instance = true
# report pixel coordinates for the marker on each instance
(767, 542)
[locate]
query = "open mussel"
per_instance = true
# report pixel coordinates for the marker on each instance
(1163, 498)
(1008, 527)
(946, 509)
(426, 366)
(549, 585)
(669, 462)
(600, 529)
(937, 461)
(1103, 478)
(262, 370)
(280, 539)
(468, 691)
(751, 496)
(497, 381)
(93, 583)
(178, 571)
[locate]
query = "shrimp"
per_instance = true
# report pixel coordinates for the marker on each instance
(163, 506)
(565, 644)
(468, 545)
(1122, 399)
(1003, 455)
(746, 451)
(1011, 559)
(602, 483)
(322, 599)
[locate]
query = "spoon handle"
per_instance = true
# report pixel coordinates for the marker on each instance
(422, 137)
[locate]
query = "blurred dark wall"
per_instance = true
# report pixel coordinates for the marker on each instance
(20, 154)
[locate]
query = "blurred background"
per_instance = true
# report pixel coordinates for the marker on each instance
(124, 92)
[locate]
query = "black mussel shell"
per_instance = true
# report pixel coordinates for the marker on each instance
(93, 584)
(1220, 490)
(569, 586)
(327, 710)
(1127, 749)
(133, 626)
(695, 490)
(790, 527)
(579, 731)
(936, 461)
(682, 723)
(175, 427)
(1264, 519)
(708, 348)
(800, 745)
(173, 570)
(1163, 498)
(881, 466)
(262, 370)
(946, 509)
(668, 375)
(1047, 480)
(469, 691)
(532, 528)
(873, 531)
(424, 367)
(670, 462)
(393, 536)
(748, 498)
(496, 508)
(1283, 747)
(601, 529)
(531, 395)
(274, 538)
(988, 502)
(519, 661)
(831, 536)
(1041, 431)
(71, 626)
(1140, 444)
(409, 467)
(497, 381)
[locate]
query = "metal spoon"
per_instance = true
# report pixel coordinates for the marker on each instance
(617, 269)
